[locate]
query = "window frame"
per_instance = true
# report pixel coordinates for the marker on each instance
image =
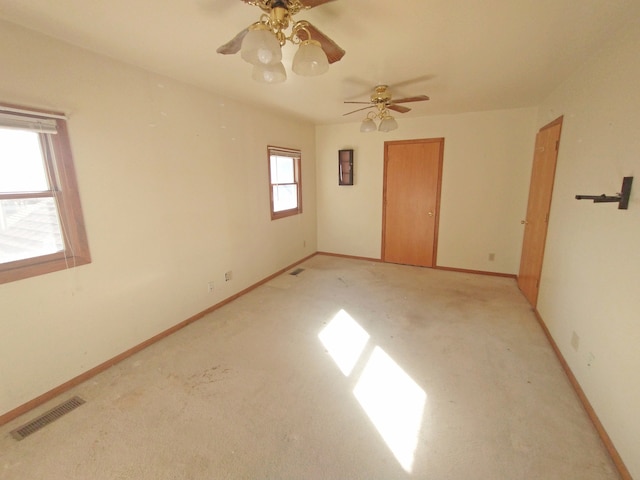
(296, 155)
(63, 188)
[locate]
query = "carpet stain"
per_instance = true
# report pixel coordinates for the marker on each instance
(213, 374)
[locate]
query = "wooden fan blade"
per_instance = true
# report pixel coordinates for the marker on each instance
(364, 103)
(417, 98)
(333, 51)
(398, 108)
(314, 3)
(233, 45)
(358, 110)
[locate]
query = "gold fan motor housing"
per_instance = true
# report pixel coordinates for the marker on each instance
(381, 94)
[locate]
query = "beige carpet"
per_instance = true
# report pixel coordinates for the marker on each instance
(350, 370)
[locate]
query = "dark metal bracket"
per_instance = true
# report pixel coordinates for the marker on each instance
(621, 198)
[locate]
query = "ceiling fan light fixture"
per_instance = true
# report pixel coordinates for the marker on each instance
(381, 99)
(368, 125)
(310, 60)
(261, 42)
(269, 73)
(387, 124)
(260, 46)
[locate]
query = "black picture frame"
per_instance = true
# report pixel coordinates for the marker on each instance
(345, 167)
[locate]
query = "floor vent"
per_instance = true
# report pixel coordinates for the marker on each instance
(297, 271)
(46, 418)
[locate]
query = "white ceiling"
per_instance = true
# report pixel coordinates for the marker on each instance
(467, 55)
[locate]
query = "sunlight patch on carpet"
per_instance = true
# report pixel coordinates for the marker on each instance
(394, 404)
(392, 400)
(344, 339)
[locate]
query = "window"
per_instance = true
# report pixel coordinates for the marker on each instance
(285, 182)
(41, 225)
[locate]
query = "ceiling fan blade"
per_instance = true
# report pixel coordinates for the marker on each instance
(364, 103)
(398, 108)
(331, 48)
(411, 81)
(356, 87)
(314, 3)
(233, 45)
(358, 110)
(417, 98)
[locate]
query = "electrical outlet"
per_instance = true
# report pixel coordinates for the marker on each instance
(492, 257)
(210, 287)
(228, 276)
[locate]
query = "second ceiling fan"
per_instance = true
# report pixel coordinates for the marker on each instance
(382, 100)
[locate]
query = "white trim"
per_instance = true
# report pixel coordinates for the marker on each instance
(23, 122)
(32, 112)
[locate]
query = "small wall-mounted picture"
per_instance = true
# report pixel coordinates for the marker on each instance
(345, 167)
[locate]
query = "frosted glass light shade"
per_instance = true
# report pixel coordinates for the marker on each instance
(387, 124)
(261, 47)
(368, 125)
(269, 73)
(310, 59)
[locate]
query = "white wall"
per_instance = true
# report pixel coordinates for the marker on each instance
(174, 187)
(485, 182)
(590, 278)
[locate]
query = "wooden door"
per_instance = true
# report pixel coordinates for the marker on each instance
(411, 200)
(536, 223)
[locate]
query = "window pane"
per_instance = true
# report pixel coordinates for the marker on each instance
(285, 197)
(21, 163)
(282, 169)
(29, 228)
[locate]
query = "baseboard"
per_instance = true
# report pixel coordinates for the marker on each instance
(477, 272)
(353, 257)
(83, 377)
(604, 436)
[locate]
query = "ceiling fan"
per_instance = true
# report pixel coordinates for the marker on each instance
(382, 100)
(260, 43)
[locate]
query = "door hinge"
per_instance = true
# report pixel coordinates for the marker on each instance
(557, 145)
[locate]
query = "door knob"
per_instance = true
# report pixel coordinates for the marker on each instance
(524, 222)
(430, 214)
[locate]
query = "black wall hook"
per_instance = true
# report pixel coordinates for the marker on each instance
(622, 198)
